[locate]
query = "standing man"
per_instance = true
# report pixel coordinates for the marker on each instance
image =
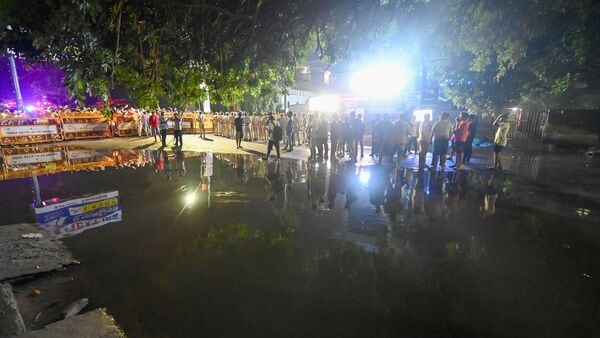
(275, 134)
(424, 138)
(247, 127)
(239, 130)
(401, 133)
(201, 124)
(335, 135)
(470, 138)
(145, 126)
(177, 126)
(289, 130)
(501, 138)
(164, 126)
(360, 132)
(153, 121)
(302, 126)
(296, 130)
(440, 134)
(324, 136)
(139, 114)
(461, 133)
(414, 135)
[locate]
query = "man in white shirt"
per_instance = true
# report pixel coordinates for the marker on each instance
(501, 138)
(440, 134)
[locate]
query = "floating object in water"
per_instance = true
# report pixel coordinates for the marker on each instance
(75, 307)
(33, 235)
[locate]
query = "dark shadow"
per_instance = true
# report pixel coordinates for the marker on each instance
(255, 152)
(208, 139)
(144, 146)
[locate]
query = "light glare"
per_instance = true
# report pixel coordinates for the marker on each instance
(324, 103)
(380, 80)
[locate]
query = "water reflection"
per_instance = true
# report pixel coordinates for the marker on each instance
(224, 244)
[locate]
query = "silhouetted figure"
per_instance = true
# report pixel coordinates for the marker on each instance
(378, 182)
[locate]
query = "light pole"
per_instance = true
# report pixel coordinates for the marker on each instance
(15, 77)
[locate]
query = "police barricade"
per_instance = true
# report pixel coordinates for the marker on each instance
(82, 125)
(188, 123)
(126, 124)
(209, 123)
(38, 160)
(83, 158)
(22, 130)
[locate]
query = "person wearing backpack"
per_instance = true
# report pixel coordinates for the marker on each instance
(275, 134)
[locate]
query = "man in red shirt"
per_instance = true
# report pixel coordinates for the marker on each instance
(461, 132)
(153, 122)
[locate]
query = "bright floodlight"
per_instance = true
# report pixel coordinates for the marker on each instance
(30, 108)
(420, 114)
(325, 103)
(380, 80)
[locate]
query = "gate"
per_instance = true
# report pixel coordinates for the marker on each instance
(527, 124)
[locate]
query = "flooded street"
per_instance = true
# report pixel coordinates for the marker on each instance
(203, 244)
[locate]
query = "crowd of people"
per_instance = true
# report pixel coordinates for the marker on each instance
(335, 136)
(328, 136)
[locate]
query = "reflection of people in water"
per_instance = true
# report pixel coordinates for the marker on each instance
(180, 163)
(489, 198)
(332, 188)
(239, 168)
(453, 192)
(435, 206)
(393, 196)
(418, 195)
(159, 162)
(352, 184)
(289, 176)
(378, 182)
(316, 184)
(273, 177)
(168, 166)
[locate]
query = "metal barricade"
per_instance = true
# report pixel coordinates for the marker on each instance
(23, 130)
(84, 125)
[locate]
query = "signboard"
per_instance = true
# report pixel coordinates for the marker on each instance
(80, 125)
(29, 130)
(74, 216)
(41, 159)
(83, 127)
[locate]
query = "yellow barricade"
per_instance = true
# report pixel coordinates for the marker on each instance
(126, 124)
(82, 125)
(23, 130)
(39, 160)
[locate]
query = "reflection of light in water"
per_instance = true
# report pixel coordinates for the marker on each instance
(364, 176)
(583, 212)
(190, 198)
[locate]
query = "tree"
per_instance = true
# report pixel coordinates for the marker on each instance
(157, 48)
(536, 53)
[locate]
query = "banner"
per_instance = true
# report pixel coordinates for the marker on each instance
(29, 130)
(83, 127)
(80, 125)
(40, 160)
(74, 216)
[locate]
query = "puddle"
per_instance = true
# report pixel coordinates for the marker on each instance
(229, 245)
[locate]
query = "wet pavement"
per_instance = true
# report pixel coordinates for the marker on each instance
(229, 245)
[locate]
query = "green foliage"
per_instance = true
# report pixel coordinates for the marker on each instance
(515, 52)
(182, 49)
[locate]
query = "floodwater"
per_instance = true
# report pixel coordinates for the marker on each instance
(229, 245)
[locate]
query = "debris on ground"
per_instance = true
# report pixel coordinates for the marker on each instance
(75, 307)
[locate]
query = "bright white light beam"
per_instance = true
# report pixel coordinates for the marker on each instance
(384, 80)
